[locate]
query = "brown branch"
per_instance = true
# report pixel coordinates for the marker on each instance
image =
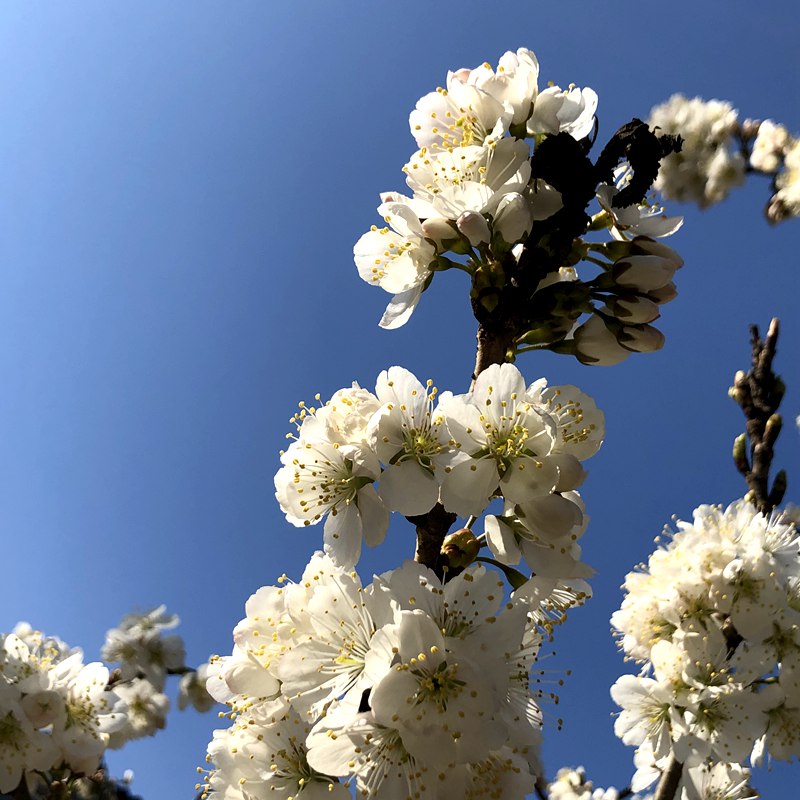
(759, 393)
(432, 527)
(493, 345)
(670, 778)
(492, 349)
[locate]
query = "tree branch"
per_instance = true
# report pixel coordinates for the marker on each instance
(492, 348)
(670, 778)
(432, 527)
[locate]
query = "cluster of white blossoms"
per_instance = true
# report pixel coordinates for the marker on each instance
(408, 687)
(55, 711)
(701, 782)
(710, 163)
(476, 205)
(785, 203)
(719, 149)
(145, 657)
(571, 784)
(406, 448)
(59, 714)
(715, 619)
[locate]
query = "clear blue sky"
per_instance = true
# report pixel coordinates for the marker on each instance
(182, 185)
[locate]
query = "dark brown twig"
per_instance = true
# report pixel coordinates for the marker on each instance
(759, 393)
(670, 778)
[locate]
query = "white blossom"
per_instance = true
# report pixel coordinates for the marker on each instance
(709, 165)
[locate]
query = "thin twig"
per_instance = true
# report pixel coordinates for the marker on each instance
(759, 393)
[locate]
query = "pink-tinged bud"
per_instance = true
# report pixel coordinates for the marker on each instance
(645, 246)
(643, 273)
(641, 338)
(440, 231)
(475, 227)
(633, 309)
(513, 219)
(596, 345)
(663, 295)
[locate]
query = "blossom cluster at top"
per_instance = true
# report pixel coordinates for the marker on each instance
(719, 149)
(715, 620)
(406, 448)
(481, 202)
(407, 687)
(58, 715)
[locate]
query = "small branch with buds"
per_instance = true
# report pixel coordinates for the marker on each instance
(759, 393)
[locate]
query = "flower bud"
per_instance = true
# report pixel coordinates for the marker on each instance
(641, 338)
(645, 246)
(663, 295)
(595, 344)
(440, 231)
(633, 309)
(643, 273)
(460, 548)
(475, 227)
(740, 453)
(513, 219)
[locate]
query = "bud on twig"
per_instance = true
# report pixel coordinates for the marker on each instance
(772, 429)
(740, 454)
(460, 548)
(778, 489)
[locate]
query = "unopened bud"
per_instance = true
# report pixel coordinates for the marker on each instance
(776, 210)
(643, 273)
(740, 454)
(595, 344)
(778, 489)
(664, 294)
(641, 338)
(460, 548)
(772, 429)
(440, 231)
(474, 227)
(739, 391)
(645, 246)
(633, 309)
(750, 128)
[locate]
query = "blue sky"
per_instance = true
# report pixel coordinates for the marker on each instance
(182, 185)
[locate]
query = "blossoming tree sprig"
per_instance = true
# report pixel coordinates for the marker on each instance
(714, 618)
(501, 188)
(423, 684)
(58, 716)
(720, 151)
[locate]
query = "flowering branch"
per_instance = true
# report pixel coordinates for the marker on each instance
(759, 394)
(720, 151)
